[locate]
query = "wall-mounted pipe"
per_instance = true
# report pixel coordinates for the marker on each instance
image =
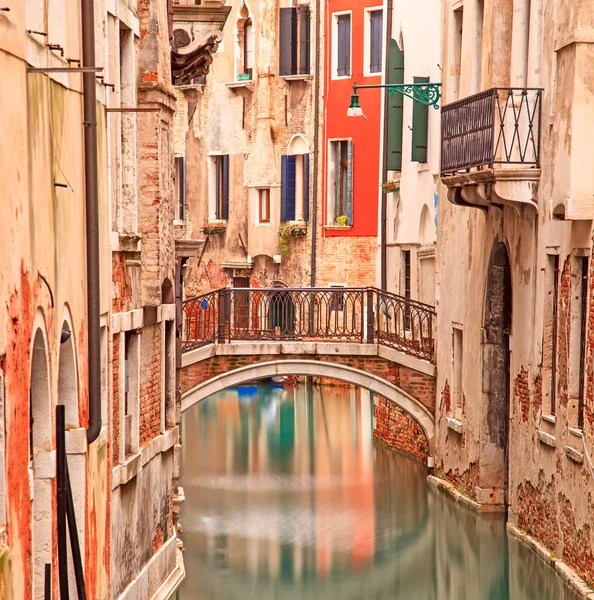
(92, 221)
(314, 208)
(384, 196)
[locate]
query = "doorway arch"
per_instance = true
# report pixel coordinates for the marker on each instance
(496, 372)
(40, 445)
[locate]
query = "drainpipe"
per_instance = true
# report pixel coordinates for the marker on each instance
(92, 221)
(314, 216)
(384, 207)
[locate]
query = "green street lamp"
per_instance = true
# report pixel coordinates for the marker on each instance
(425, 93)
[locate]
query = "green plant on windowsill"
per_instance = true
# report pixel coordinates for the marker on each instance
(287, 231)
(342, 221)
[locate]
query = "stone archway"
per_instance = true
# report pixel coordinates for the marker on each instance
(40, 461)
(314, 368)
(496, 375)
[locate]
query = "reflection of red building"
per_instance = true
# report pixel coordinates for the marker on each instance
(351, 148)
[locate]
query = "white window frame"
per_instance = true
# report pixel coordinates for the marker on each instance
(367, 72)
(212, 184)
(335, 16)
(331, 168)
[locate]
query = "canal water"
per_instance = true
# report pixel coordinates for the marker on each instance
(288, 496)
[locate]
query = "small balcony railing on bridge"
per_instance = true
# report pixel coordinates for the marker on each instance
(497, 126)
(366, 315)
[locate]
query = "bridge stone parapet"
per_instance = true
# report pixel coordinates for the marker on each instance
(405, 382)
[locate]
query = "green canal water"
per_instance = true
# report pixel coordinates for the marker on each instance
(288, 496)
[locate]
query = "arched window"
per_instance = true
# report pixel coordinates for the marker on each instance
(248, 47)
(244, 62)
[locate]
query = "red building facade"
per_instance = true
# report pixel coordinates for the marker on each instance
(353, 52)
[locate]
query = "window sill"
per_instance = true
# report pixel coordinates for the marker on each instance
(549, 419)
(421, 167)
(454, 425)
(574, 455)
(338, 227)
(298, 77)
(245, 84)
(547, 439)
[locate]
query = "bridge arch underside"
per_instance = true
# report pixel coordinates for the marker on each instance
(373, 383)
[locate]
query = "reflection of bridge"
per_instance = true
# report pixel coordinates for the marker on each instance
(375, 340)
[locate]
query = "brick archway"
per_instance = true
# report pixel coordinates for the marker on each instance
(315, 368)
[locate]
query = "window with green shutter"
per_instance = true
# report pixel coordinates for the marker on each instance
(395, 75)
(420, 125)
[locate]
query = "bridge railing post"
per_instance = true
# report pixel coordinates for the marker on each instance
(223, 318)
(370, 318)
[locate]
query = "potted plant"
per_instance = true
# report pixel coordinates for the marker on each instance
(342, 220)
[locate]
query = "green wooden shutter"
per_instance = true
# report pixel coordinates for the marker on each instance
(395, 75)
(420, 124)
(349, 195)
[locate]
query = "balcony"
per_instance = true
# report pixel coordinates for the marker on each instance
(490, 148)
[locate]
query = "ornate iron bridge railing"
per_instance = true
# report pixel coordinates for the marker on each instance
(497, 126)
(365, 315)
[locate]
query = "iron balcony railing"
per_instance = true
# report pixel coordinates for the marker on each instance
(366, 315)
(497, 126)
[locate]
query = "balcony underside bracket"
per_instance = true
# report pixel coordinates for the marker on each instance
(494, 188)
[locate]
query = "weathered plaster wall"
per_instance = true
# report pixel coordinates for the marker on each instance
(254, 124)
(549, 486)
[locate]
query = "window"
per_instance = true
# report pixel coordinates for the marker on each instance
(295, 187)
(375, 41)
(577, 338)
(342, 45)
(406, 288)
(295, 41)
(220, 187)
(131, 393)
(248, 47)
(457, 371)
(456, 54)
(264, 205)
(420, 126)
(341, 181)
(551, 331)
(180, 188)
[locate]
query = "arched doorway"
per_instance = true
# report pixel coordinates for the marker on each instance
(496, 372)
(40, 441)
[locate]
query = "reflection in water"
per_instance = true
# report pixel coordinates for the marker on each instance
(287, 496)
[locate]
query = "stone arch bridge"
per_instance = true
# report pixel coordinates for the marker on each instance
(378, 341)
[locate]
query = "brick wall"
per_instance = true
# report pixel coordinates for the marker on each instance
(346, 259)
(399, 430)
(418, 385)
(150, 384)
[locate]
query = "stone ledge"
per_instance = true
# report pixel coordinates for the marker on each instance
(454, 425)
(549, 419)
(448, 488)
(547, 439)
(125, 472)
(575, 455)
(564, 570)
